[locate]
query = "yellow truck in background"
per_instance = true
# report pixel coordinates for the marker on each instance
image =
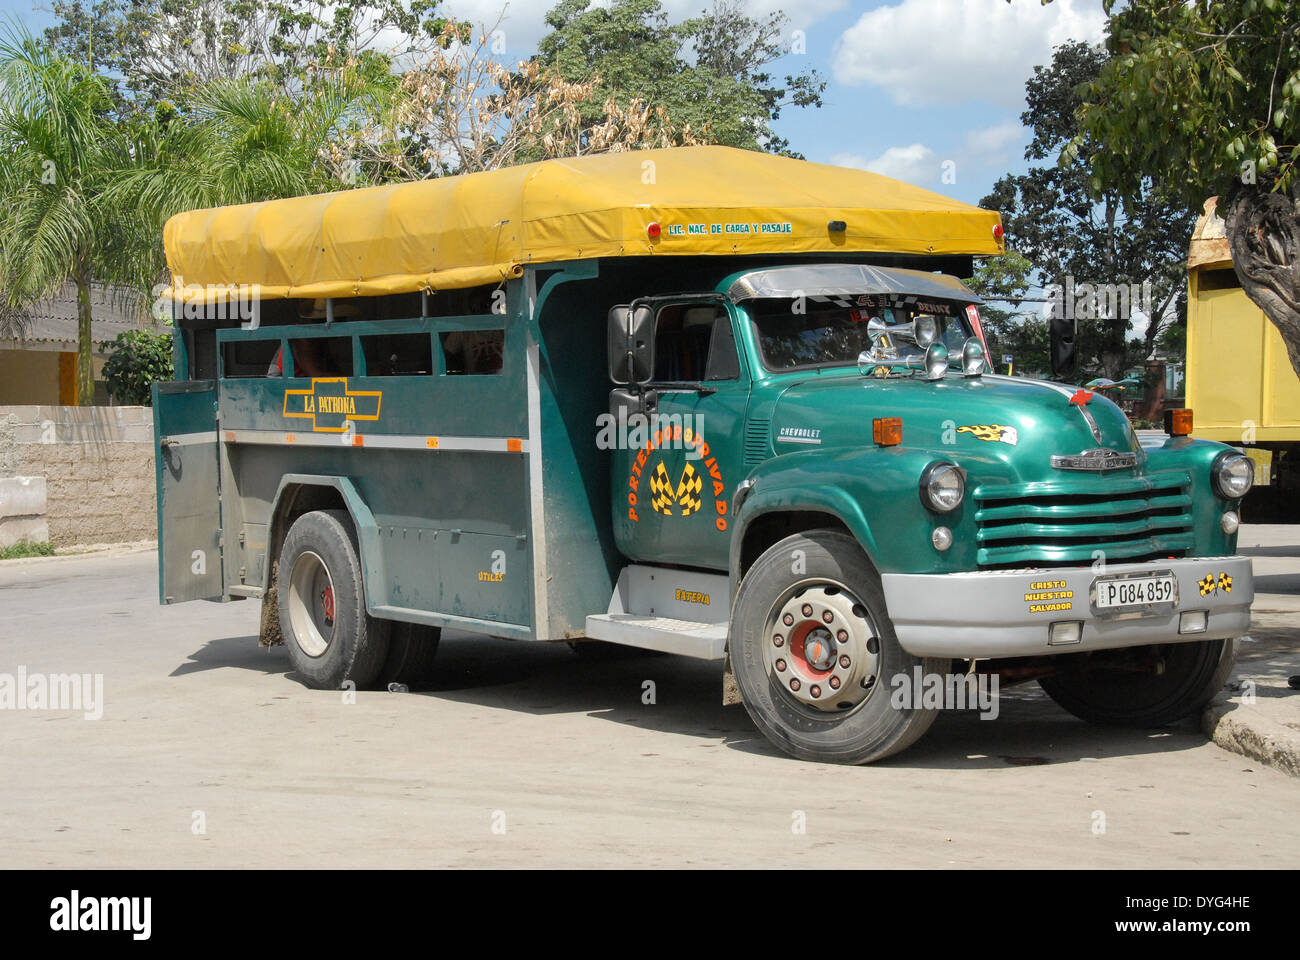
(1240, 383)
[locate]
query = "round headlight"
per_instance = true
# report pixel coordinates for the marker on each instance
(936, 361)
(942, 486)
(972, 357)
(1233, 475)
(925, 328)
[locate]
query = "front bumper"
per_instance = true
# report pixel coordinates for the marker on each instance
(1008, 613)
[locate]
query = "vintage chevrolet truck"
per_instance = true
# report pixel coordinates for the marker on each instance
(701, 401)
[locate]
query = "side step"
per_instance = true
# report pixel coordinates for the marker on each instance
(689, 638)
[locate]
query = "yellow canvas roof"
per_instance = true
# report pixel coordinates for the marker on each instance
(483, 227)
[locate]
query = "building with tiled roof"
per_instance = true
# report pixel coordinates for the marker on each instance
(38, 361)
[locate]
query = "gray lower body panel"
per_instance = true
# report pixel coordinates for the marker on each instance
(1008, 613)
(660, 608)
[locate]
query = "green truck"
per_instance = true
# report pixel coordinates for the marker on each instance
(698, 401)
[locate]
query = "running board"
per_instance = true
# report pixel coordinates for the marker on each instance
(689, 638)
(654, 608)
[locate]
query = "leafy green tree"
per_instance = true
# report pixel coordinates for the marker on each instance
(1011, 327)
(241, 141)
(57, 157)
(1204, 98)
(709, 73)
(729, 43)
(154, 51)
(137, 360)
(1077, 235)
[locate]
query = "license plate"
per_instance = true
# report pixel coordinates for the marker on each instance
(1136, 591)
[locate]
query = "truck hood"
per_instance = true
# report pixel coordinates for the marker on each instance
(1017, 421)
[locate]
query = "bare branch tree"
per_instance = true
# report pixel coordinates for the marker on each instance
(460, 110)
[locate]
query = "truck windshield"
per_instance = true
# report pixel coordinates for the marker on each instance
(832, 332)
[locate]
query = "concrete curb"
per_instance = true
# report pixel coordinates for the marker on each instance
(1244, 730)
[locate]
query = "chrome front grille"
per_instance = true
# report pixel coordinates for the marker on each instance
(1054, 524)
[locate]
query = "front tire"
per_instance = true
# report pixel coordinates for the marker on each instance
(331, 638)
(813, 651)
(1101, 691)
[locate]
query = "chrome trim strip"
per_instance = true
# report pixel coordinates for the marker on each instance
(388, 441)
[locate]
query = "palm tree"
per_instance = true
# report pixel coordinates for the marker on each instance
(57, 151)
(241, 141)
(244, 140)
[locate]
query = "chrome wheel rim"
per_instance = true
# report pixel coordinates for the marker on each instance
(311, 604)
(821, 648)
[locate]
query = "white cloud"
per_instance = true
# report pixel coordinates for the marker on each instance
(996, 146)
(983, 147)
(994, 142)
(916, 164)
(931, 51)
(524, 22)
(802, 14)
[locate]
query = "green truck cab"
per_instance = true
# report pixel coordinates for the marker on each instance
(744, 417)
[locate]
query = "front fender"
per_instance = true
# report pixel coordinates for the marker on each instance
(1197, 458)
(846, 484)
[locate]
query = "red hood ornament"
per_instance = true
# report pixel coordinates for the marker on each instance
(1081, 397)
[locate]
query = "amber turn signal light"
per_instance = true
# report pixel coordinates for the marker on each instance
(1178, 423)
(887, 431)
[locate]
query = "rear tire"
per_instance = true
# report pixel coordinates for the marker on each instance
(322, 602)
(818, 683)
(411, 651)
(1098, 693)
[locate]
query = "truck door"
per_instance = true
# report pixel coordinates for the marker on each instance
(672, 496)
(189, 505)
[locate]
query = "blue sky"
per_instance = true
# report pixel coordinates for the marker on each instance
(916, 88)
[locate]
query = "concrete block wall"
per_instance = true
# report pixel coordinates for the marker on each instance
(22, 511)
(97, 465)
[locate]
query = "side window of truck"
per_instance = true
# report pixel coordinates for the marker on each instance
(398, 354)
(248, 358)
(694, 343)
(473, 352)
(320, 357)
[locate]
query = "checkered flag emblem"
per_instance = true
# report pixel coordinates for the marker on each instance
(1206, 583)
(686, 495)
(1225, 583)
(661, 489)
(688, 490)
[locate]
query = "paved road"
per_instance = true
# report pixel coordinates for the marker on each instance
(201, 728)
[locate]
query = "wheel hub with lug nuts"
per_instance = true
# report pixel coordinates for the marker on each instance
(820, 646)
